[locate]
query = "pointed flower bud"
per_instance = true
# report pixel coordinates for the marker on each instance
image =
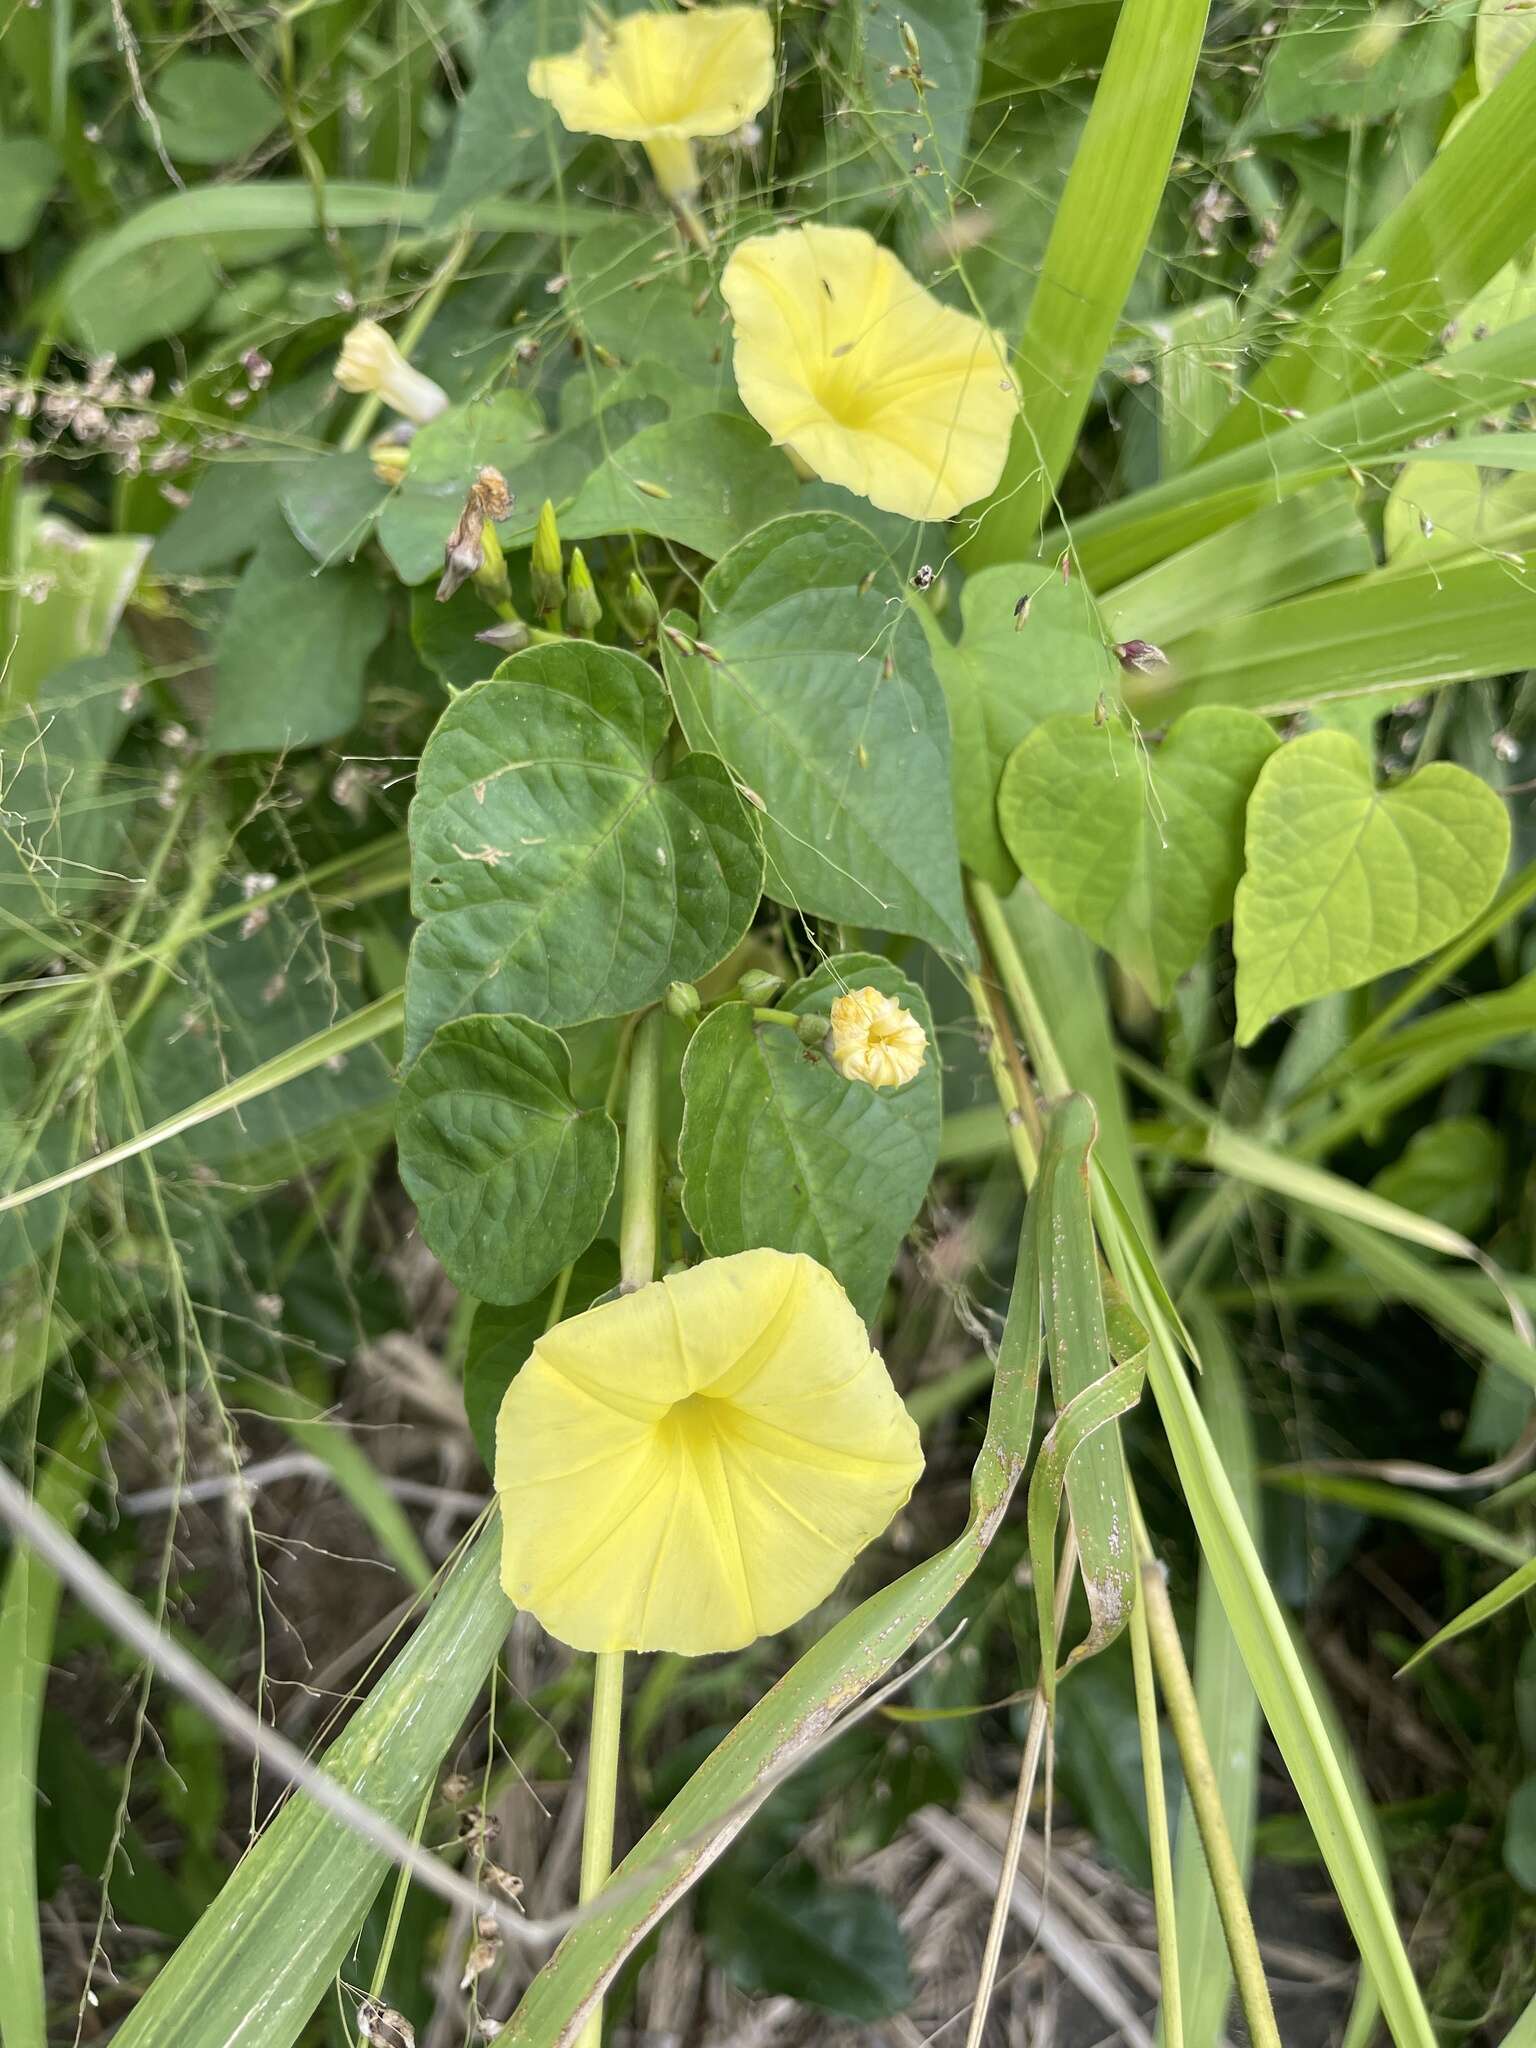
(369, 361)
(875, 1040)
(545, 568)
(757, 985)
(681, 1001)
(583, 609)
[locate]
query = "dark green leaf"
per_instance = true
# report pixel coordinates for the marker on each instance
(791, 1934)
(778, 1149)
(510, 1179)
(212, 109)
(703, 482)
(29, 170)
(500, 1339)
(331, 505)
(293, 650)
(504, 137)
(557, 871)
(823, 700)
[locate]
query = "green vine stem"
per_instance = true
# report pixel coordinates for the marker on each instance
(637, 1266)
(1205, 1798)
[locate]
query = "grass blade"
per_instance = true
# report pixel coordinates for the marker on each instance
(1509, 1590)
(29, 1602)
(1229, 1713)
(1097, 242)
(1462, 221)
(259, 1960)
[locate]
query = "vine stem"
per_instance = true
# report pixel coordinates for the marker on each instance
(1205, 1799)
(637, 1266)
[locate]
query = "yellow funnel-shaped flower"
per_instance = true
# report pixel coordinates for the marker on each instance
(699, 1462)
(664, 80)
(847, 362)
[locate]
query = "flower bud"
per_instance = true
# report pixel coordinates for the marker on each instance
(812, 1029)
(681, 1001)
(370, 362)
(390, 459)
(583, 609)
(875, 1040)
(545, 568)
(758, 986)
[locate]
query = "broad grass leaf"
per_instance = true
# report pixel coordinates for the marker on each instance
(293, 650)
(1140, 848)
(557, 872)
(1504, 33)
(823, 701)
(77, 584)
(1001, 679)
(778, 1149)
(1344, 881)
(510, 1179)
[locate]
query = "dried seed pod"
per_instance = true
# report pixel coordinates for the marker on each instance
(383, 2027)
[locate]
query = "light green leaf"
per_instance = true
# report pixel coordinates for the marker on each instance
(72, 591)
(294, 649)
(778, 1149)
(1351, 60)
(331, 505)
(212, 109)
(704, 482)
(558, 873)
(510, 1179)
(1441, 509)
(1001, 679)
(1344, 882)
(1141, 849)
(1519, 1583)
(820, 695)
(29, 170)
(503, 137)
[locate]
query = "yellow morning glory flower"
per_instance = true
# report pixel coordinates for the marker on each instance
(875, 1040)
(370, 361)
(664, 80)
(697, 1463)
(847, 362)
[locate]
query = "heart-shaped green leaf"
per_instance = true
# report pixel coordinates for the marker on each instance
(561, 872)
(778, 1149)
(500, 1338)
(1345, 881)
(1140, 848)
(1009, 671)
(819, 692)
(510, 1179)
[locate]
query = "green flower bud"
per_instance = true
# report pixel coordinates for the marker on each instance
(583, 610)
(546, 570)
(758, 986)
(812, 1030)
(681, 1001)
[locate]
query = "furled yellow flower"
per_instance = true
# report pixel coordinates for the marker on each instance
(664, 80)
(698, 1463)
(875, 1040)
(849, 364)
(370, 361)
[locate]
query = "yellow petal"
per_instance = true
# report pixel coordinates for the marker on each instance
(875, 1040)
(668, 75)
(845, 359)
(699, 1462)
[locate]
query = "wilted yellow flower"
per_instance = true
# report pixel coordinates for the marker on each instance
(370, 361)
(848, 363)
(875, 1040)
(699, 1462)
(664, 80)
